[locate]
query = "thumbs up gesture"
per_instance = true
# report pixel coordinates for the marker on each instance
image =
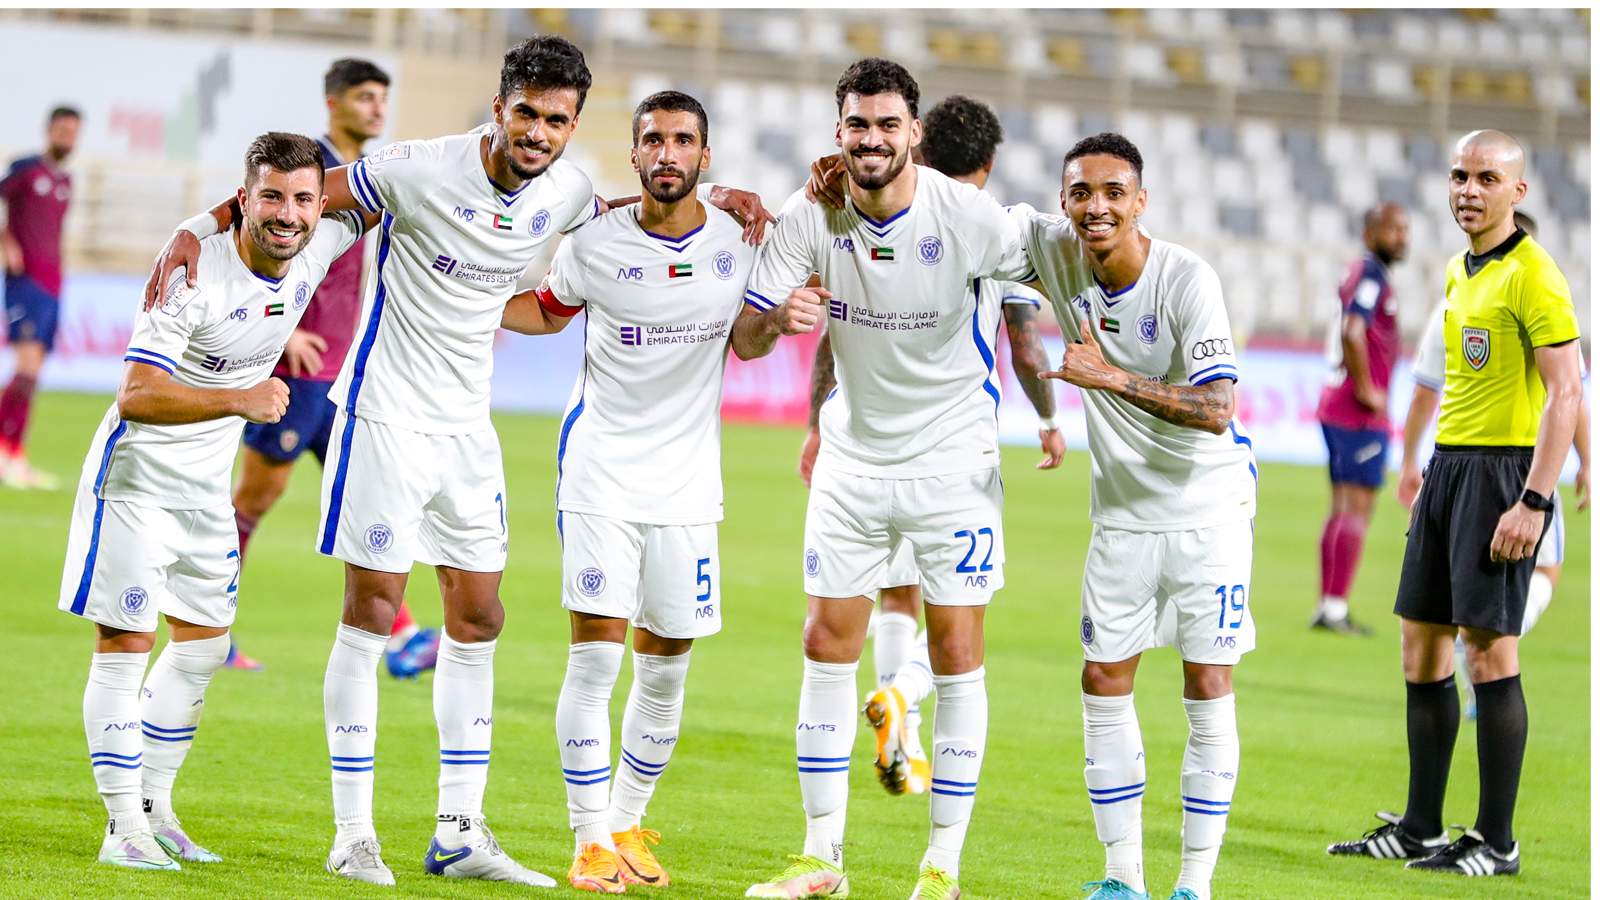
(1084, 364)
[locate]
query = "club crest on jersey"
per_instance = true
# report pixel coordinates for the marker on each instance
(380, 538)
(929, 251)
(540, 223)
(302, 294)
(1147, 329)
(723, 264)
(1475, 346)
(813, 562)
(134, 600)
(591, 582)
(288, 439)
(631, 336)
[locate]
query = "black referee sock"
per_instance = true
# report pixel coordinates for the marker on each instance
(1433, 717)
(1502, 738)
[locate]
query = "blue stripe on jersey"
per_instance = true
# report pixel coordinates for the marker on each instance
(675, 244)
(358, 375)
(1225, 369)
(983, 349)
(81, 599)
(758, 301)
(361, 182)
(1241, 439)
(572, 417)
(151, 357)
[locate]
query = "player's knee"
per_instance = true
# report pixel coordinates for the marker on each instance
(1103, 681)
(956, 653)
(480, 623)
(824, 641)
(1207, 682)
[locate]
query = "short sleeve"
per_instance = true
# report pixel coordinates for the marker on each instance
(336, 233)
(1020, 295)
(562, 292)
(1002, 252)
(1364, 299)
(161, 335)
(786, 258)
(396, 177)
(1428, 368)
(1545, 306)
(584, 204)
(1204, 336)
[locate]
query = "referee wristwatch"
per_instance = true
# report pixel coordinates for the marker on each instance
(1536, 501)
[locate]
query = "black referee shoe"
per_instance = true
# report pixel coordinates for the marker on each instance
(1469, 855)
(1390, 841)
(1345, 625)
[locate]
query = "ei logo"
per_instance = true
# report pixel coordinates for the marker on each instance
(591, 582)
(380, 538)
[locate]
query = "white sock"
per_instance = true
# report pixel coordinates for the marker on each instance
(1113, 751)
(1210, 769)
(1539, 591)
(892, 646)
(350, 717)
(463, 710)
(169, 708)
(822, 741)
(1335, 608)
(914, 680)
(649, 734)
(583, 729)
(960, 732)
(116, 744)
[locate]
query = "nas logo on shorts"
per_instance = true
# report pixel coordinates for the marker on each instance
(379, 538)
(134, 600)
(1088, 630)
(1475, 346)
(591, 582)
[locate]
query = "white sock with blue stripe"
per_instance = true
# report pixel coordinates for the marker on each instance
(463, 710)
(583, 729)
(116, 745)
(169, 712)
(822, 742)
(960, 732)
(649, 734)
(1113, 751)
(350, 717)
(1210, 767)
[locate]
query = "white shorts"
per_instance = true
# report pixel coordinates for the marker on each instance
(391, 497)
(855, 525)
(665, 579)
(1189, 589)
(902, 567)
(1553, 547)
(129, 564)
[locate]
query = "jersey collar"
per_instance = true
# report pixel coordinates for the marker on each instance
(1475, 263)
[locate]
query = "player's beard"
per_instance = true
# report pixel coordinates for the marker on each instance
(265, 243)
(524, 172)
(869, 182)
(686, 185)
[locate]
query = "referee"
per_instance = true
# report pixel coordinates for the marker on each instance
(1511, 397)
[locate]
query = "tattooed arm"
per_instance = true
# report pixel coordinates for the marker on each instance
(1028, 358)
(1208, 407)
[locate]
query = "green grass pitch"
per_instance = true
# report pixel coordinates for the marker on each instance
(1322, 717)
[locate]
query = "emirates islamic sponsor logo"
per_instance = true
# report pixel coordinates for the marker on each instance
(630, 336)
(214, 363)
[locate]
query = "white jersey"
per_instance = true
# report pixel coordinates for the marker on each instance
(452, 247)
(642, 437)
(1014, 294)
(1428, 368)
(1171, 325)
(225, 333)
(911, 331)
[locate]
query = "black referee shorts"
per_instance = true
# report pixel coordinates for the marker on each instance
(1447, 577)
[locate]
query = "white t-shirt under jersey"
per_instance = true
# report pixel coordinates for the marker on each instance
(451, 248)
(641, 439)
(913, 340)
(1148, 474)
(225, 333)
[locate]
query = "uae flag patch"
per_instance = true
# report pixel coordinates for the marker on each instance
(1111, 325)
(884, 253)
(502, 222)
(682, 270)
(274, 309)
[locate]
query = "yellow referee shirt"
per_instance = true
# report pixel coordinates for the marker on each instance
(1499, 307)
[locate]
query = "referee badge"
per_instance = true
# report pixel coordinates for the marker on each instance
(1475, 346)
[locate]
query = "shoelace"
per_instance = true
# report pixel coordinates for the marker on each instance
(801, 865)
(1106, 883)
(490, 845)
(937, 879)
(593, 861)
(640, 835)
(365, 853)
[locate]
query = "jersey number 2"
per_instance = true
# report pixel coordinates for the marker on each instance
(966, 565)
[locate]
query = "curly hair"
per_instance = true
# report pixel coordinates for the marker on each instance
(872, 75)
(959, 135)
(1108, 143)
(545, 62)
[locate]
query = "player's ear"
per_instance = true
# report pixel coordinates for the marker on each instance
(1139, 201)
(916, 132)
(705, 158)
(838, 134)
(633, 157)
(499, 107)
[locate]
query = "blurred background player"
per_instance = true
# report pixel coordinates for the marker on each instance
(1428, 372)
(1354, 409)
(1510, 410)
(357, 93)
(959, 137)
(37, 192)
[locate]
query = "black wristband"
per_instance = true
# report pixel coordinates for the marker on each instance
(1537, 501)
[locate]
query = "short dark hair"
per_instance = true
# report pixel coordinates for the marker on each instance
(63, 112)
(545, 62)
(1108, 143)
(349, 72)
(873, 75)
(671, 101)
(959, 135)
(284, 152)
